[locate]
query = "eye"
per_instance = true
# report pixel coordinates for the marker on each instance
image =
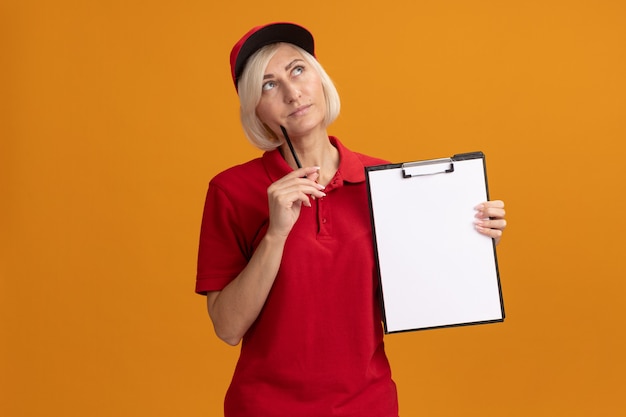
(268, 85)
(297, 70)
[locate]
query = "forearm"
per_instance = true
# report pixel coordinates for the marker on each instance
(236, 307)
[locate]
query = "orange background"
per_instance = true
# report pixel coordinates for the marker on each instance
(115, 115)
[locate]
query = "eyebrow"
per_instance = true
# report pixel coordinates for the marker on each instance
(287, 67)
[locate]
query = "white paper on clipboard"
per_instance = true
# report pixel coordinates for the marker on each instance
(435, 269)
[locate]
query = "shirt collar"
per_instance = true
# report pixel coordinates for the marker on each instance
(351, 169)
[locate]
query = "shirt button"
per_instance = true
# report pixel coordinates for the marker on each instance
(324, 220)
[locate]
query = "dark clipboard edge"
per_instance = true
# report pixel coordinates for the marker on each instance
(457, 157)
(446, 326)
(468, 155)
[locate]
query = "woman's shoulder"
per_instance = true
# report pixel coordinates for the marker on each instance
(369, 161)
(239, 177)
(366, 160)
(245, 169)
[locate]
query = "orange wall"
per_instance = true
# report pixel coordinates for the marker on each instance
(115, 114)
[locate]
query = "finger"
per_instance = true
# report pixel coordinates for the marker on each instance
(494, 203)
(499, 204)
(304, 186)
(490, 209)
(294, 181)
(290, 202)
(491, 213)
(308, 174)
(313, 177)
(499, 224)
(298, 189)
(303, 195)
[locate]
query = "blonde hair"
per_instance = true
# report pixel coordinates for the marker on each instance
(249, 88)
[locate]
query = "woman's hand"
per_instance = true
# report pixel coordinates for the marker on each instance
(490, 219)
(287, 196)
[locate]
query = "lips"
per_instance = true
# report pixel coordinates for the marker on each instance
(300, 110)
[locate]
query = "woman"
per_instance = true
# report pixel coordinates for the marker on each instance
(286, 256)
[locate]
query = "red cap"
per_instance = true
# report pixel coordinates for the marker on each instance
(261, 36)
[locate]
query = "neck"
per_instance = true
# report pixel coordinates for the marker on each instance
(314, 150)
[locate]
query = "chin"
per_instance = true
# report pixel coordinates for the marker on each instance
(305, 127)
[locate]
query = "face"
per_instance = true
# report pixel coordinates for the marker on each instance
(292, 95)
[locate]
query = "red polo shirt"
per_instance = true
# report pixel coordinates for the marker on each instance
(316, 348)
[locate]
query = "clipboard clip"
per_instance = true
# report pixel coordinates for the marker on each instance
(431, 167)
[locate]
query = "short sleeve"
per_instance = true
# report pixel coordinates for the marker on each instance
(221, 252)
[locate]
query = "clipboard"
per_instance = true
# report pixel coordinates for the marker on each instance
(434, 269)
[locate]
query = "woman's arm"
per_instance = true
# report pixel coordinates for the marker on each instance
(236, 307)
(490, 219)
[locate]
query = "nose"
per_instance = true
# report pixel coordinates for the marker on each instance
(292, 92)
